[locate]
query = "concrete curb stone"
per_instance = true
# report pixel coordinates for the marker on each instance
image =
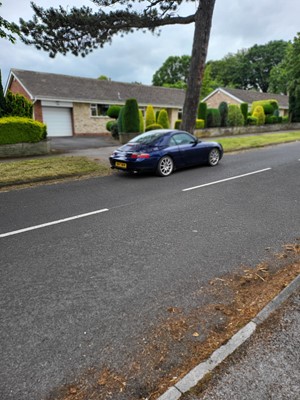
(195, 376)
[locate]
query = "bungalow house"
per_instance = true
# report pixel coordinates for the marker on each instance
(71, 105)
(238, 96)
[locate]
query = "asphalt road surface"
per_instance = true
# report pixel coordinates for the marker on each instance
(87, 267)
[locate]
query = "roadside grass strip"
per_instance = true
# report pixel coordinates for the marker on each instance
(254, 141)
(34, 170)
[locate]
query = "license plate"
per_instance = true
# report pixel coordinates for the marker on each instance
(121, 164)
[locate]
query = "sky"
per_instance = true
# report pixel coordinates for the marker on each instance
(236, 25)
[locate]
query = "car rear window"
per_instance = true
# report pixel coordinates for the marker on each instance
(147, 137)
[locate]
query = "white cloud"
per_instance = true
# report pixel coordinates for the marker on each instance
(135, 57)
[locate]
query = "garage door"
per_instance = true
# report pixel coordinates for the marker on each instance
(58, 121)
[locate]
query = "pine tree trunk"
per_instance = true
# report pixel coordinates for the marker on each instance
(203, 22)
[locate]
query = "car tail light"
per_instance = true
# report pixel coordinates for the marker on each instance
(140, 155)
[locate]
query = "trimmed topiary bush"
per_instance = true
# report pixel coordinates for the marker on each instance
(142, 123)
(213, 118)
(21, 130)
(153, 127)
(269, 106)
(235, 116)
(260, 115)
(113, 111)
(199, 124)
(120, 120)
(131, 119)
(177, 124)
(244, 108)
(202, 110)
(150, 115)
(251, 120)
(163, 119)
(114, 130)
(223, 109)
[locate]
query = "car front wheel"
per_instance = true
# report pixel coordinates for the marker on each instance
(213, 157)
(165, 166)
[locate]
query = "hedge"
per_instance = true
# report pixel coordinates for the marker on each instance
(153, 127)
(21, 130)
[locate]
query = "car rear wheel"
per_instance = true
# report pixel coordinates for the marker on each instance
(213, 157)
(165, 166)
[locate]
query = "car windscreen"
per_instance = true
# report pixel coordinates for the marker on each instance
(147, 137)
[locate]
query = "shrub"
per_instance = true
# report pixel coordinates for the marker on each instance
(142, 124)
(114, 130)
(177, 124)
(163, 119)
(235, 116)
(260, 115)
(150, 115)
(294, 102)
(113, 111)
(109, 124)
(17, 105)
(269, 106)
(199, 124)
(244, 108)
(213, 118)
(285, 119)
(131, 118)
(2, 99)
(21, 130)
(271, 119)
(223, 109)
(120, 120)
(202, 110)
(251, 120)
(153, 127)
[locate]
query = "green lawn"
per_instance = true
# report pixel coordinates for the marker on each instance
(51, 168)
(43, 169)
(248, 142)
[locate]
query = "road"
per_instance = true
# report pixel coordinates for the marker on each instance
(88, 267)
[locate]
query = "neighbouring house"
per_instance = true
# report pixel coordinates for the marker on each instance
(71, 105)
(238, 96)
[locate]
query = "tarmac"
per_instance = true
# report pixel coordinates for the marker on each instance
(258, 362)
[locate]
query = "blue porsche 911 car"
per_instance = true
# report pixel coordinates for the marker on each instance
(164, 150)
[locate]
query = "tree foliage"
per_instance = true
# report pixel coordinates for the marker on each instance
(81, 30)
(2, 99)
(8, 29)
(174, 71)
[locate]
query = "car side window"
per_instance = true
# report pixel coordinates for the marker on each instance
(182, 138)
(172, 142)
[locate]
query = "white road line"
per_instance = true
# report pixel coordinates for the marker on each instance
(60, 221)
(226, 179)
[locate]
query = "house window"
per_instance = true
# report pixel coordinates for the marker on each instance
(99, 110)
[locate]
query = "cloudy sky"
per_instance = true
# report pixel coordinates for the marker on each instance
(135, 58)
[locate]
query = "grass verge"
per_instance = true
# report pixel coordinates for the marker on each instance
(54, 168)
(50, 168)
(254, 141)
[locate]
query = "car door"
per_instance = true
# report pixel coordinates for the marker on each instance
(190, 153)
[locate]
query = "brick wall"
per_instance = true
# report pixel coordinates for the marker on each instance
(215, 100)
(37, 111)
(15, 87)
